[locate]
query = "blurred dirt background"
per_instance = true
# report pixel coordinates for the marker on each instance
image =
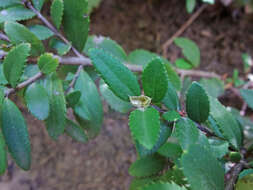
(102, 164)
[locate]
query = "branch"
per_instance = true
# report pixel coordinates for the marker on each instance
(72, 83)
(197, 73)
(4, 37)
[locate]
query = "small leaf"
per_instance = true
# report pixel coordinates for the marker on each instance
(18, 33)
(141, 57)
(59, 46)
(3, 157)
(75, 131)
(163, 186)
(37, 101)
(38, 4)
(93, 4)
(73, 98)
(119, 78)
(190, 5)
(202, 169)
(245, 173)
(114, 101)
(190, 50)
(56, 12)
(155, 80)
(214, 87)
(16, 13)
(76, 22)
(47, 63)
(171, 150)
(14, 63)
(171, 116)
(145, 126)
(16, 134)
(247, 95)
(197, 103)
(183, 64)
(170, 99)
(41, 31)
(147, 166)
(140, 101)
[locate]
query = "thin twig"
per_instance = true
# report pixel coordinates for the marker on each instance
(197, 73)
(232, 175)
(182, 29)
(71, 85)
(4, 37)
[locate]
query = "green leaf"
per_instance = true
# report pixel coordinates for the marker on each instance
(38, 4)
(245, 173)
(73, 98)
(183, 64)
(47, 63)
(3, 157)
(16, 13)
(247, 62)
(197, 103)
(56, 12)
(7, 3)
(114, 101)
(118, 77)
(3, 80)
(141, 57)
(247, 95)
(190, 50)
(41, 31)
(18, 33)
(59, 46)
(245, 183)
(173, 76)
(76, 22)
(214, 87)
(89, 110)
(226, 123)
(16, 135)
(147, 166)
(75, 131)
(171, 116)
(14, 63)
(56, 121)
(93, 4)
(190, 5)
(162, 186)
(37, 101)
(155, 80)
(171, 150)
(170, 99)
(145, 126)
(202, 169)
(219, 148)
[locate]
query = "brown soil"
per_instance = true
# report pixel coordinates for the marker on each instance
(102, 164)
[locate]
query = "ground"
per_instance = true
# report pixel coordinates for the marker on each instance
(102, 164)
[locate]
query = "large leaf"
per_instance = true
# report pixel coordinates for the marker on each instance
(75, 131)
(118, 77)
(89, 110)
(147, 166)
(47, 63)
(155, 80)
(14, 63)
(190, 50)
(197, 103)
(247, 96)
(7, 3)
(37, 101)
(16, 134)
(114, 101)
(76, 22)
(18, 33)
(162, 186)
(3, 157)
(226, 123)
(56, 12)
(56, 120)
(145, 126)
(16, 13)
(41, 31)
(170, 99)
(202, 169)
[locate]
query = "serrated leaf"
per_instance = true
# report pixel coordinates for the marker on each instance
(202, 169)
(41, 31)
(197, 103)
(214, 87)
(155, 80)
(163, 186)
(18, 33)
(73, 98)
(170, 99)
(226, 123)
(56, 12)
(147, 166)
(7, 3)
(141, 57)
(16, 13)
(3, 157)
(171, 116)
(14, 63)
(190, 50)
(115, 102)
(118, 77)
(47, 63)
(16, 135)
(59, 46)
(56, 120)
(37, 101)
(137, 183)
(145, 126)
(247, 95)
(171, 150)
(173, 76)
(76, 22)
(75, 131)
(190, 5)
(89, 110)
(38, 4)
